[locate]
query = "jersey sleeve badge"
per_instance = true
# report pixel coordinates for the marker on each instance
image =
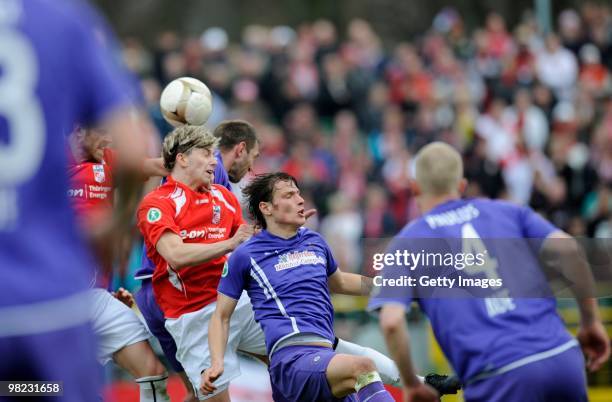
(153, 215)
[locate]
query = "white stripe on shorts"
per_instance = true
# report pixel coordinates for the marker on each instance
(524, 361)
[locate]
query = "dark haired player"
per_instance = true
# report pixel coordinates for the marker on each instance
(288, 272)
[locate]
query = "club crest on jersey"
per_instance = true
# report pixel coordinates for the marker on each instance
(153, 215)
(297, 258)
(99, 175)
(216, 214)
(225, 270)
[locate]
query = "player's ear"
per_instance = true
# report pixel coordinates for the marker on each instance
(79, 133)
(265, 208)
(181, 160)
(463, 183)
(240, 147)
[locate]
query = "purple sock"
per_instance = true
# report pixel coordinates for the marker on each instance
(374, 392)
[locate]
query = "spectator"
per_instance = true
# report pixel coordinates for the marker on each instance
(557, 67)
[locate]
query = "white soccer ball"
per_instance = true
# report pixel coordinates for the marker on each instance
(186, 100)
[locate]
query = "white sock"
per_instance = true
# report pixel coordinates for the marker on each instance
(153, 388)
(386, 367)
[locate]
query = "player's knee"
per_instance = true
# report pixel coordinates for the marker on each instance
(150, 364)
(154, 367)
(363, 365)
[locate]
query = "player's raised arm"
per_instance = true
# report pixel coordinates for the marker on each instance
(564, 254)
(218, 331)
(349, 284)
(180, 254)
(154, 167)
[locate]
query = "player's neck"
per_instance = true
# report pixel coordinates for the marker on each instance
(280, 230)
(228, 159)
(193, 183)
(429, 202)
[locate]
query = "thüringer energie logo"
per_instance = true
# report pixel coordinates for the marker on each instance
(297, 258)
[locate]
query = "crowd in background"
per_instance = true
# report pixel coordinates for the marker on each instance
(345, 112)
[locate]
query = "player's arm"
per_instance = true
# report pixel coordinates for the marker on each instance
(180, 255)
(154, 167)
(349, 284)
(565, 254)
(218, 331)
(394, 329)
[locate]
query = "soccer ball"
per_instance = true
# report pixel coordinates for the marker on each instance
(186, 100)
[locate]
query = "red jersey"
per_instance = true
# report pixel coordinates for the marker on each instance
(91, 194)
(206, 217)
(91, 186)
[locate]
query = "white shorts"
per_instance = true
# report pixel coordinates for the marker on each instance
(190, 332)
(114, 324)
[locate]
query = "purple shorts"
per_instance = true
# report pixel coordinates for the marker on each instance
(297, 373)
(155, 321)
(67, 355)
(560, 378)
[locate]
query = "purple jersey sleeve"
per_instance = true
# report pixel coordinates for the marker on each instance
(233, 278)
(534, 226)
(331, 263)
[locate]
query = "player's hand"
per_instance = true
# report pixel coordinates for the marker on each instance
(124, 296)
(243, 233)
(421, 393)
(209, 376)
(595, 344)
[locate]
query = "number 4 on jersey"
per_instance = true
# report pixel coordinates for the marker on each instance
(473, 244)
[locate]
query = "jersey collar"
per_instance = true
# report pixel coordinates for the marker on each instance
(278, 238)
(171, 181)
(446, 205)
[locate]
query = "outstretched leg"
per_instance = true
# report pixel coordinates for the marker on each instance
(347, 374)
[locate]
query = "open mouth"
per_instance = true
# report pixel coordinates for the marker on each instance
(301, 212)
(211, 171)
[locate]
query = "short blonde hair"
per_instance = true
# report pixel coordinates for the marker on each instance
(439, 168)
(182, 140)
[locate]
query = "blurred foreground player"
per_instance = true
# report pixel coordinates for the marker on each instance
(54, 73)
(120, 334)
(503, 348)
(288, 272)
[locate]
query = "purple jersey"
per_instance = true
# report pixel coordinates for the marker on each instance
(54, 73)
(146, 266)
(221, 176)
(480, 333)
(286, 280)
